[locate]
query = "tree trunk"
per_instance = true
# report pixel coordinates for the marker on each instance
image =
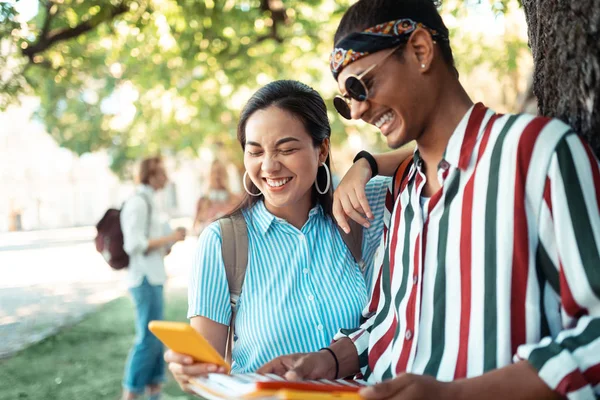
(564, 36)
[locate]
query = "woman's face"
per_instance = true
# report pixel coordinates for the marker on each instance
(281, 159)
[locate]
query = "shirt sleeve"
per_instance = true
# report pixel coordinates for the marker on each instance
(134, 222)
(208, 292)
(569, 231)
(360, 339)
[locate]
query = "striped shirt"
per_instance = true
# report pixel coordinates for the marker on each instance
(504, 266)
(301, 285)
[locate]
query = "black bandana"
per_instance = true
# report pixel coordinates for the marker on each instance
(379, 37)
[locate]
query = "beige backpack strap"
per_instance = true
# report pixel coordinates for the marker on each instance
(354, 241)
(234, 234)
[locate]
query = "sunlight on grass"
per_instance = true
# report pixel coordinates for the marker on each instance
(84, 361)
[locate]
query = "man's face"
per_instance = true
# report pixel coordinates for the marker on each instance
(397, 98)
(159, 179)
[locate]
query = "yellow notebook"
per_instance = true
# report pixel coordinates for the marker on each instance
(269, 386)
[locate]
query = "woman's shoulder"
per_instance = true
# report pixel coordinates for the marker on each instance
(379, 181)
(210, 233)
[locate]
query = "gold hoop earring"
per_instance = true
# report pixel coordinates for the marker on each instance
(246, 187)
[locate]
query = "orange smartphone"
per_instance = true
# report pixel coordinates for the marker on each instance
(182, 338)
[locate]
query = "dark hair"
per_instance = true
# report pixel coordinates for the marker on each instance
(305, 104)
(367, 13)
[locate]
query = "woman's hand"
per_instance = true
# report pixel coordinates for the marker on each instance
(350, 199)
(184, 368)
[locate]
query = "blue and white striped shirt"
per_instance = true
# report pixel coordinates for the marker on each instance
(301, 286)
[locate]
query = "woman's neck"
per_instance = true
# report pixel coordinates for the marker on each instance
(295, 214)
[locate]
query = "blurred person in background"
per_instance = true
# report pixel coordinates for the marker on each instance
(218, 199)
(147, 239)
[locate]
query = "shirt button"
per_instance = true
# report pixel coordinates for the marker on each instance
(305, 270)
(320, 327)
(415, 279)
(444, 164)
(408, 334)
(311, 297)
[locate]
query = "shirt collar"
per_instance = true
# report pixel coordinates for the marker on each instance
(264, 219)
(146, 189)
(464, 139)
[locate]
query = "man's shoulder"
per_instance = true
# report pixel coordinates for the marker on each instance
(137, 201)
(527, 132)
(530, 124)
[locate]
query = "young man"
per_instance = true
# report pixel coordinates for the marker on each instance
(146, 240)
(490, 285)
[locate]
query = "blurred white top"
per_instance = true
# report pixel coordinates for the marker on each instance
(136, 234)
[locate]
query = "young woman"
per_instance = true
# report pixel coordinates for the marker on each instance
(302, 283)
(218, 199)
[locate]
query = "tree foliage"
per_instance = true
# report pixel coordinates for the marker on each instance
(141, 76)
(138, 76)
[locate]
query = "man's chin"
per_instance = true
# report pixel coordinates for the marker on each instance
(395, 140)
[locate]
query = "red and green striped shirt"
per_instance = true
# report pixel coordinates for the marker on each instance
(502, 264)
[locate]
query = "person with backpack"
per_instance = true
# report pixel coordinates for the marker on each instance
(301, 279)
(146, 240)
(490, 286)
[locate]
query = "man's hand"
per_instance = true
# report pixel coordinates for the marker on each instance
(178, 235)
(349, 198)
(184, 368)
(410, 387)
(301, 366)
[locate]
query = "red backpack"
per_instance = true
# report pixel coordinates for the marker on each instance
(109, 240)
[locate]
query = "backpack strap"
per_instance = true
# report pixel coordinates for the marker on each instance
(354, 241)
(234, 249)
(399, 176)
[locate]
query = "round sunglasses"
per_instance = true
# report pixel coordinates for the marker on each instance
(356, 89)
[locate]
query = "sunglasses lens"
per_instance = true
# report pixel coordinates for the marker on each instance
(342, 107)
(356, 89)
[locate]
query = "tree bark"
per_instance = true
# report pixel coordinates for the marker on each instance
(564, 36)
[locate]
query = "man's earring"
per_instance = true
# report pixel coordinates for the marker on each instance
(422, 65)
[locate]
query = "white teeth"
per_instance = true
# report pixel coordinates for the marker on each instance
(277, 182)
(388, 116)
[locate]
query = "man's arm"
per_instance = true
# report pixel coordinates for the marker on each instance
(569, 232)
(388, 162)
(350, 199)
(516, 382)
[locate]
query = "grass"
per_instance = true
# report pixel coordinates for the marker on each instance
(84, 361)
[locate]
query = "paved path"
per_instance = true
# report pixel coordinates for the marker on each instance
(52, 280)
